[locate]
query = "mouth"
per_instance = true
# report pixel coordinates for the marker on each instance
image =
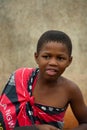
(51, 71)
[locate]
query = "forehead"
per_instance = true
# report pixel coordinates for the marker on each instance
(54, 46)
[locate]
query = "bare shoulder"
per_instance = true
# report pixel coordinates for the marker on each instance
(71, 85)
(72, 88)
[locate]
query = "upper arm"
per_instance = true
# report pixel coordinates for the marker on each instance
(78, 105)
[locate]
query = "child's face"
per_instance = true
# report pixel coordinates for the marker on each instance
(53, 59)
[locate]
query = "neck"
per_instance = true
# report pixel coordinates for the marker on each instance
(47, 82)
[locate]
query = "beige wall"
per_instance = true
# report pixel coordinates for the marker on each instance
(23, 21)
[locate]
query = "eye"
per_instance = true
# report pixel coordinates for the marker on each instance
(60, 58)
(46, 57)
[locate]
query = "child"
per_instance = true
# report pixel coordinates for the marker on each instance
(35, 96)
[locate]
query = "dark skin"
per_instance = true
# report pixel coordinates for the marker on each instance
(52, 60)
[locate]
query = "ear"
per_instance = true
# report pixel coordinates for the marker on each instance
(36, 57)
(70, 61)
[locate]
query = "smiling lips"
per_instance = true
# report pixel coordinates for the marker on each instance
(51, 71)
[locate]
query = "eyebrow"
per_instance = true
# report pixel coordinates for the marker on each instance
(48, 53)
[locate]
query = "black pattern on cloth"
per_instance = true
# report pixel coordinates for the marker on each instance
(47, 109)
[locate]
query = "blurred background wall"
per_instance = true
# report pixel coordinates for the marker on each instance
(23, 21)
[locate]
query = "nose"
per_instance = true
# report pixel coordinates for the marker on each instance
(53, 61)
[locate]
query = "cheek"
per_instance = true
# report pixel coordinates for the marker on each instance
(40, 64)
(62, 65)
(38, 61)
(65, 64)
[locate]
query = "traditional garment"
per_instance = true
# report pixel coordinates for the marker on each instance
(17, 106)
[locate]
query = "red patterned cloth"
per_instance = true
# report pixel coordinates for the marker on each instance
(17, 106)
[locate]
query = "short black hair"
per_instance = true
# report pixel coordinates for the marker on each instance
(55, 36)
